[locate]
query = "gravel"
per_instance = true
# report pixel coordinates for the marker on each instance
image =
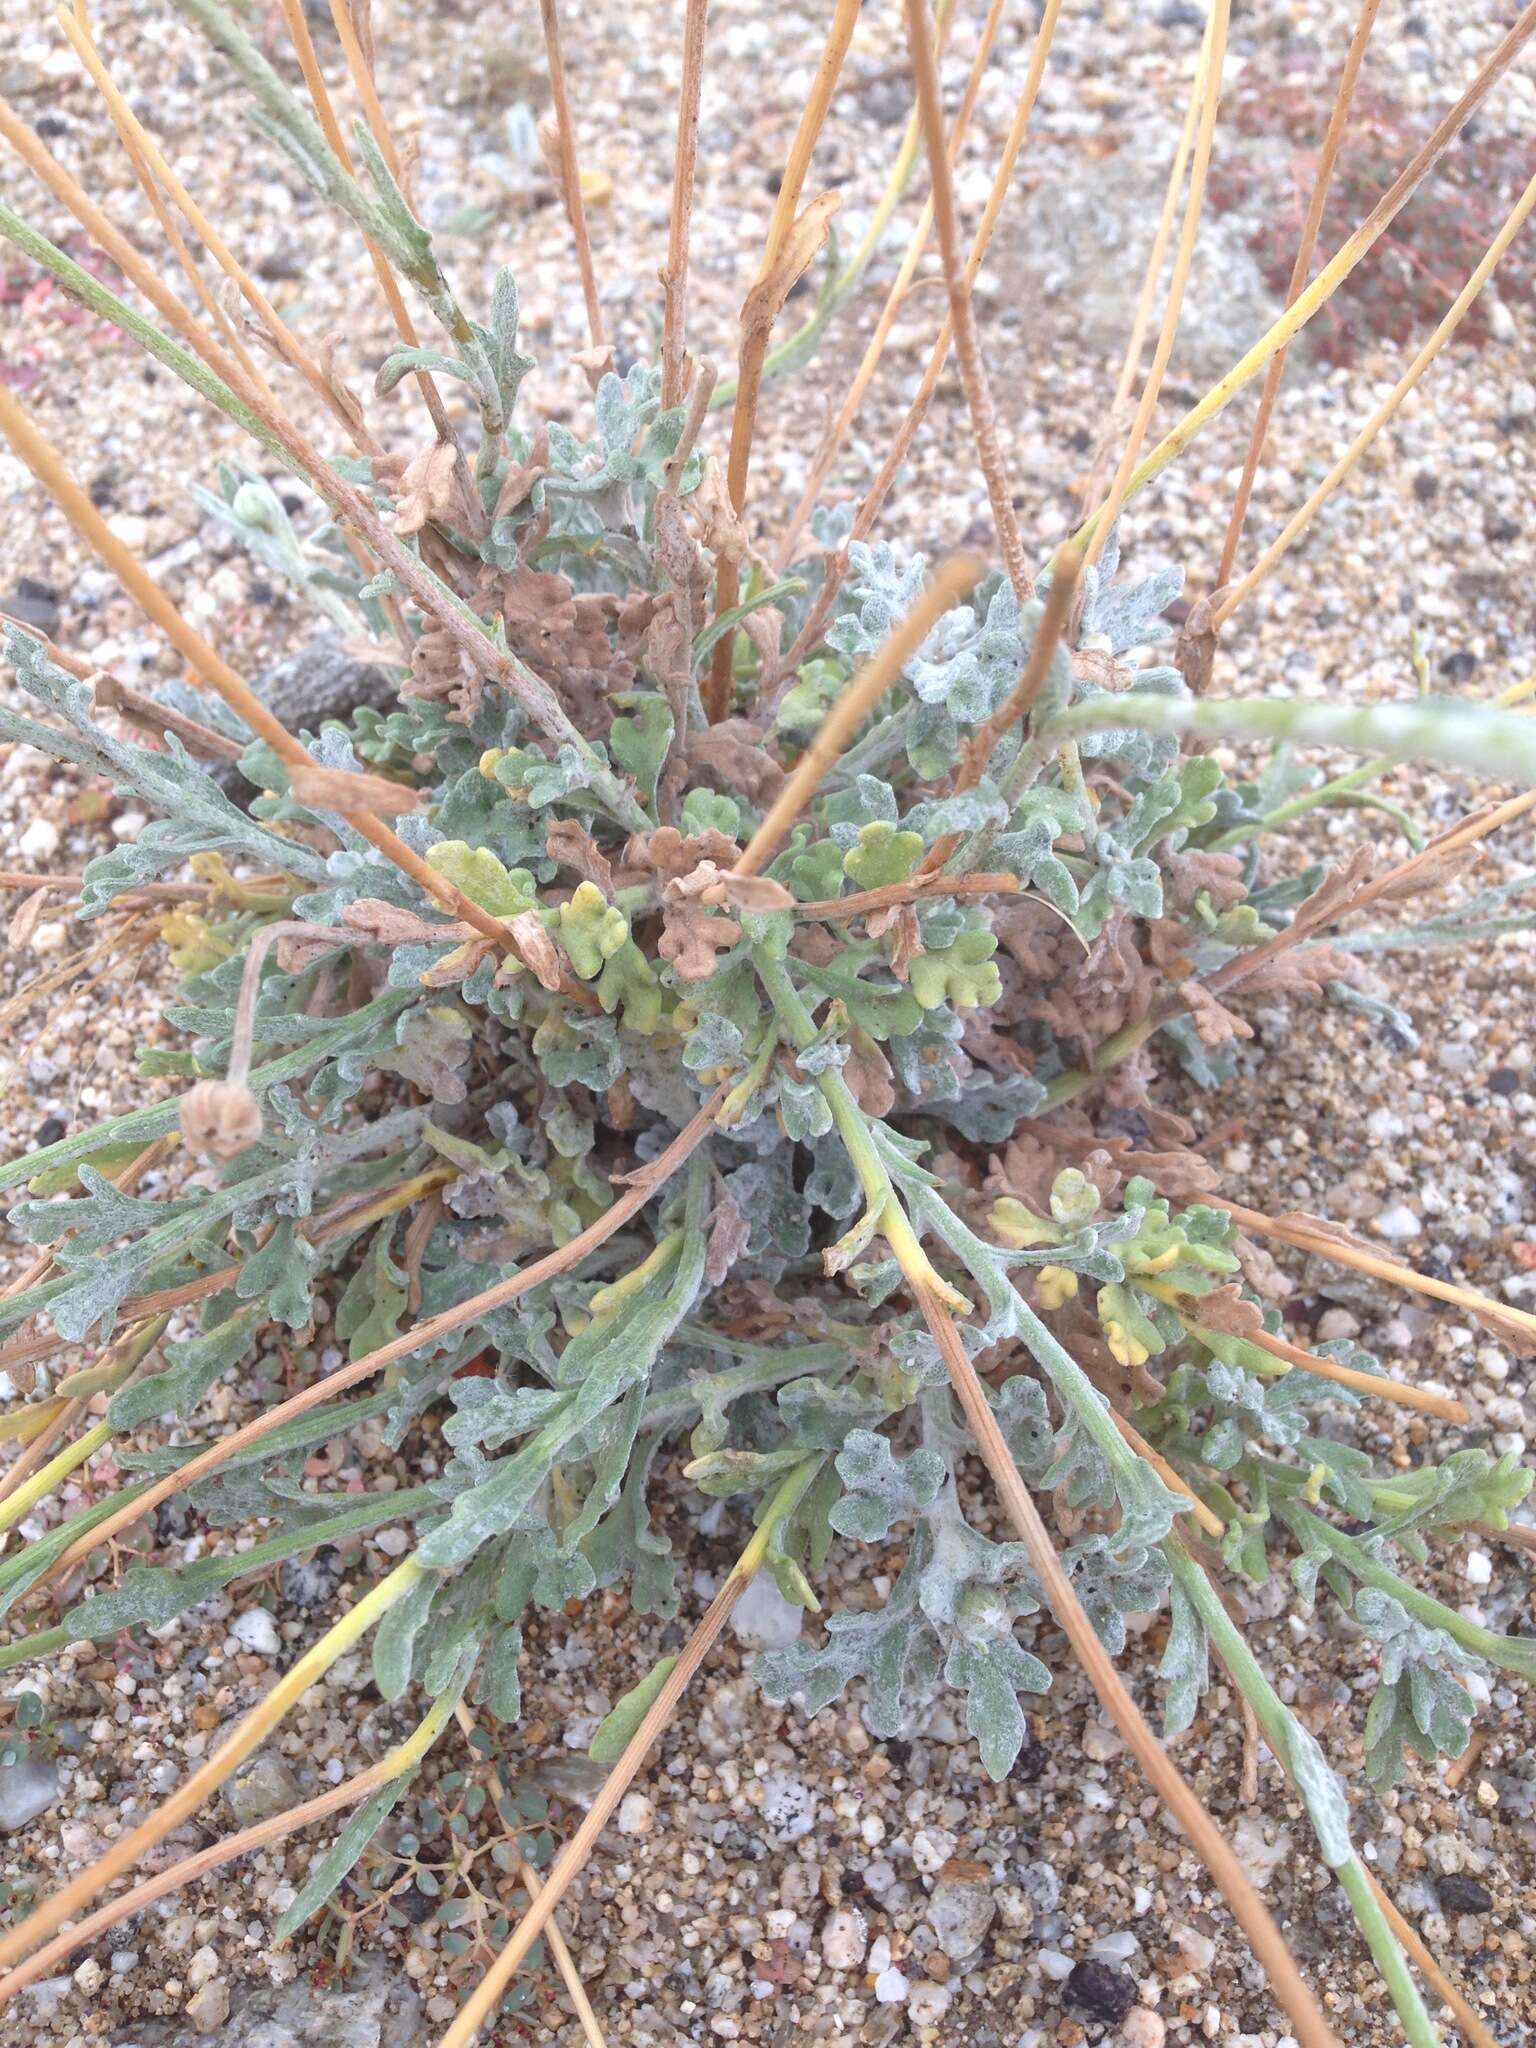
(727, 1914)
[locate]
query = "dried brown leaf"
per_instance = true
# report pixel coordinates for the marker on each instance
(570, 845)
(536, 948)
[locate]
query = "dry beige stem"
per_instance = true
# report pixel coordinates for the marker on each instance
(1462, 305)
(1301, 2008)
(954, 578)
(809, 636)
(325, 113)
(973, 374)
(1305, 249)
(570, 171)
(1207, 89)
(757, 316)
(836, 431)
(674, 279)
(133, 132)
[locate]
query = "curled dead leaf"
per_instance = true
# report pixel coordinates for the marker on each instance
(426, 490)
(536, 949)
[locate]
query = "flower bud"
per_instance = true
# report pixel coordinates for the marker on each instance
(220, 1118)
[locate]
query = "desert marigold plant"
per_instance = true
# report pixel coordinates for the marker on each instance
(724, 1015)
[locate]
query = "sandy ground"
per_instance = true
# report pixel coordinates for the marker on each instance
(711, 1914)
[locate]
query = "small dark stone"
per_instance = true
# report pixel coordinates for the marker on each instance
(50, 127)
(310, 1581)
(414, 1904)
(34, 604)
(1497, 530)
(51, 1129)
(320, 682)
(1031, 1762)
(898, 1751)
(1459, 666)
(1504, 1081)
(174, 1520)
(738, 1845)
(1426, 485)
(1181, 14)
(1463, 1895)
(1101, 1990)
(280, 266)
(1080, 440)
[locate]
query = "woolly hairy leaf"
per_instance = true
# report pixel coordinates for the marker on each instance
(615, 1732)
(195, 1364)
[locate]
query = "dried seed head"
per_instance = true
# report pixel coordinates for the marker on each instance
(220, 1118)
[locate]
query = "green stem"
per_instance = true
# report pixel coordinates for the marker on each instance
(1341, 785)
(1077, 1080)
(33, 1648)
(1504, 1651)
(92, 293)
(1302, 1757)
(885, 1212)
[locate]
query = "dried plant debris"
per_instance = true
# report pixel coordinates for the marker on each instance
(621, 1160)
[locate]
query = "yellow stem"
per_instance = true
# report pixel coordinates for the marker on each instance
(488, 1992)
(1389, 406)
(403, 1757)
(1333, 273)
(64, 1904)
(41, 1484)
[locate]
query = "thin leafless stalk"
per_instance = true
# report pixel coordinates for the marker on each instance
(49, 1914)
(973, 373)
(1207, 89)
(1339, 1251)
(1151, 279)
(1301, 2008)
(837, 428)
(1400, 1393)
(325, 114)
(1386, 411)
(1334, 272)
(674, 279)
(185, 258)
(568, 1865)
(360, 71)
(784, 257)
(533, 1884)
(284, 340)
(570, 170)
(1322, 179)
(874, 499)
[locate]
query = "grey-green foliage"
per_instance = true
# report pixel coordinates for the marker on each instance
(951, 1612)
(748, 1332)
(195, 814)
